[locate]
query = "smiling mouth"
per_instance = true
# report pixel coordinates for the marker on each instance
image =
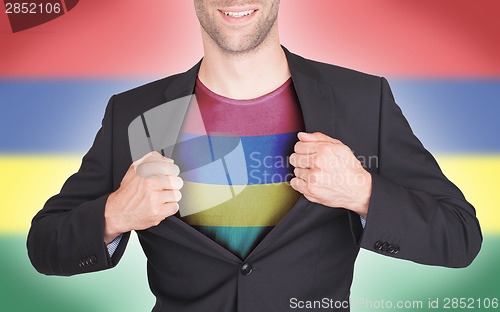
(239, 14)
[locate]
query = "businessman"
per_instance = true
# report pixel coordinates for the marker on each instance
(279, 238)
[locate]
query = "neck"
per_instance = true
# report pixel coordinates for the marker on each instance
(244, 75)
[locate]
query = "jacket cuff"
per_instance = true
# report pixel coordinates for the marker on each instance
(383, 199)
(87, 232)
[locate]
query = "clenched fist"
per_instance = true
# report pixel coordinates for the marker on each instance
(327, 172)
(148, 193)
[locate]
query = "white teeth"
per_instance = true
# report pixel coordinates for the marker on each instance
(239, 14)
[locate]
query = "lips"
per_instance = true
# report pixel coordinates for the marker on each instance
(237, 15)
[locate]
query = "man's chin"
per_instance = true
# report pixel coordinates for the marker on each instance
(239, 45)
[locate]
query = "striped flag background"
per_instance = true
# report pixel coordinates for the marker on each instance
(442, 59)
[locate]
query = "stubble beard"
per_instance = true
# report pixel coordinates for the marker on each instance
(247, 44)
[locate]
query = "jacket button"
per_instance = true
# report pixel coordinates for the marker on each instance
(378, 245)
(93, 260)
(396, 249)
(390, 249)
(393, 249)
(82, 263)
(246, 269)
(385, 245)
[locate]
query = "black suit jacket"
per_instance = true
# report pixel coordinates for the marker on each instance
(415, 213)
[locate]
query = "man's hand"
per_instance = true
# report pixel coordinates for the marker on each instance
(328, 173)
(148, 193)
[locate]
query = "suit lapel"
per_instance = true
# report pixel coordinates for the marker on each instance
(182, 84)
(316, 99)
(179, 94)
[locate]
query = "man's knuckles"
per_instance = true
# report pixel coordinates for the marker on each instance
(160, 183)
(162, 209)
(157, 169)
(315, 176)
(170, 196)
(307, 189)
(171, 208)
(169, 183)
(325, 148)
(176, 183)
(165, 210)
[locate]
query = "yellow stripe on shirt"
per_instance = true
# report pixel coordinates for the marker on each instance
(215, 205)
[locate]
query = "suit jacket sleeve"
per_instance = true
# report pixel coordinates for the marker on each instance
(67, 236)
(413, 206)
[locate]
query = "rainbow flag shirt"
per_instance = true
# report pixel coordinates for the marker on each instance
(233, 156)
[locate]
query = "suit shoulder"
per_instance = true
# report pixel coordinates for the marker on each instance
(152, 90)
(338, 74)
(130, 104)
